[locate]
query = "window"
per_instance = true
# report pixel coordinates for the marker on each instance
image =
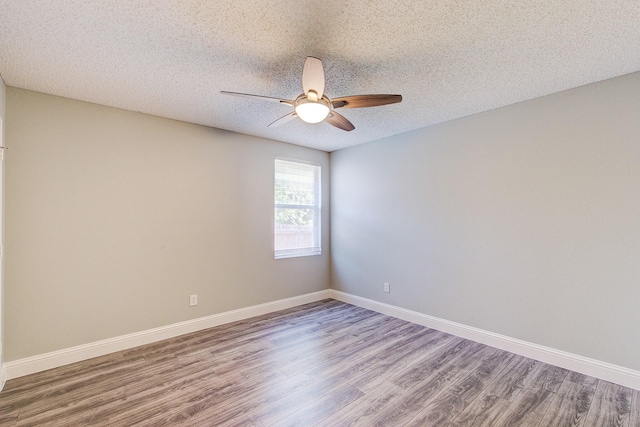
(296, 209)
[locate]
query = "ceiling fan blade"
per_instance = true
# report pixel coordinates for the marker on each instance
(263, 98)
(363, 101)
(313, 76)
(284, 119)
(339, 121)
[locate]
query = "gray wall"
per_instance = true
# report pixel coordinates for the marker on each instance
(114, 218)
(524, 221)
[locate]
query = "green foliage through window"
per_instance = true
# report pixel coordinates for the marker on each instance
(287, 196)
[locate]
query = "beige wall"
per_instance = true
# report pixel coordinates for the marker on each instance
(524, 221)
(114, 218)
(521, 221)
(3, 95)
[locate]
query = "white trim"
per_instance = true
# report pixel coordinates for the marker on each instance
(595, 368)
(3, 375)
(316, 249)
(54, 359)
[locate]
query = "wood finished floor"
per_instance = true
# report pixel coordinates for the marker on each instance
(321, 364)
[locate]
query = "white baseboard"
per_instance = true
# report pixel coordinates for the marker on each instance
(42, 362)
(606, 371)
(3, 376)
(595, 368)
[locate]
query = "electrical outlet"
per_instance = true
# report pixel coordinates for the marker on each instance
(387, 287)
(193, 300)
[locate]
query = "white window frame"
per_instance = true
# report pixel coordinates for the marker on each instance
(315, 249)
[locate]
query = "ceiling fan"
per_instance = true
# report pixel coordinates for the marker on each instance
(313, 106)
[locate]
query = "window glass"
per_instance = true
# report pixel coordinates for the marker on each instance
(296, 209)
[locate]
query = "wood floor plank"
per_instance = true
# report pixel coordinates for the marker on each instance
(416, 374)
(362, 411)
(8, 418)
(291, 352)
(165, 395)
(484, 411)
(165, 403)
(325, 363)
(386, 333)
(321, 408)
(369, 326)
(469, 387)
(634, 416)
(547, 376)
(290, 359)
(492, 362)
(267, 414)
(364, 344)
(444, 409)
(471, 356)
(161, 375)
(513, 377)
(440, 412)
(297, 362)
(408, 343)
(570, 406)
(611, 406)
(72, 410)
(63, 373)
(85, 386)
(355, 358)
(212, 419)
(582, 379)
(226, 411)
(362, 322)
(528, 408)
(388, 371)
(417, 397)
(344, 369)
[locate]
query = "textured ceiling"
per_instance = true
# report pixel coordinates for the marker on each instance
(447, 59)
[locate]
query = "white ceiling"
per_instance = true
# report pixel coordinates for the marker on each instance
(447, 59)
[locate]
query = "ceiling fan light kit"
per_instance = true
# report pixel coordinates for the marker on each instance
(313, 106)
(312, 111)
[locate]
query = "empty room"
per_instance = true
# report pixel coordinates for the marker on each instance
(271, 213)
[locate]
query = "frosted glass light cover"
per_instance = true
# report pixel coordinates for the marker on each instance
(312, 112)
